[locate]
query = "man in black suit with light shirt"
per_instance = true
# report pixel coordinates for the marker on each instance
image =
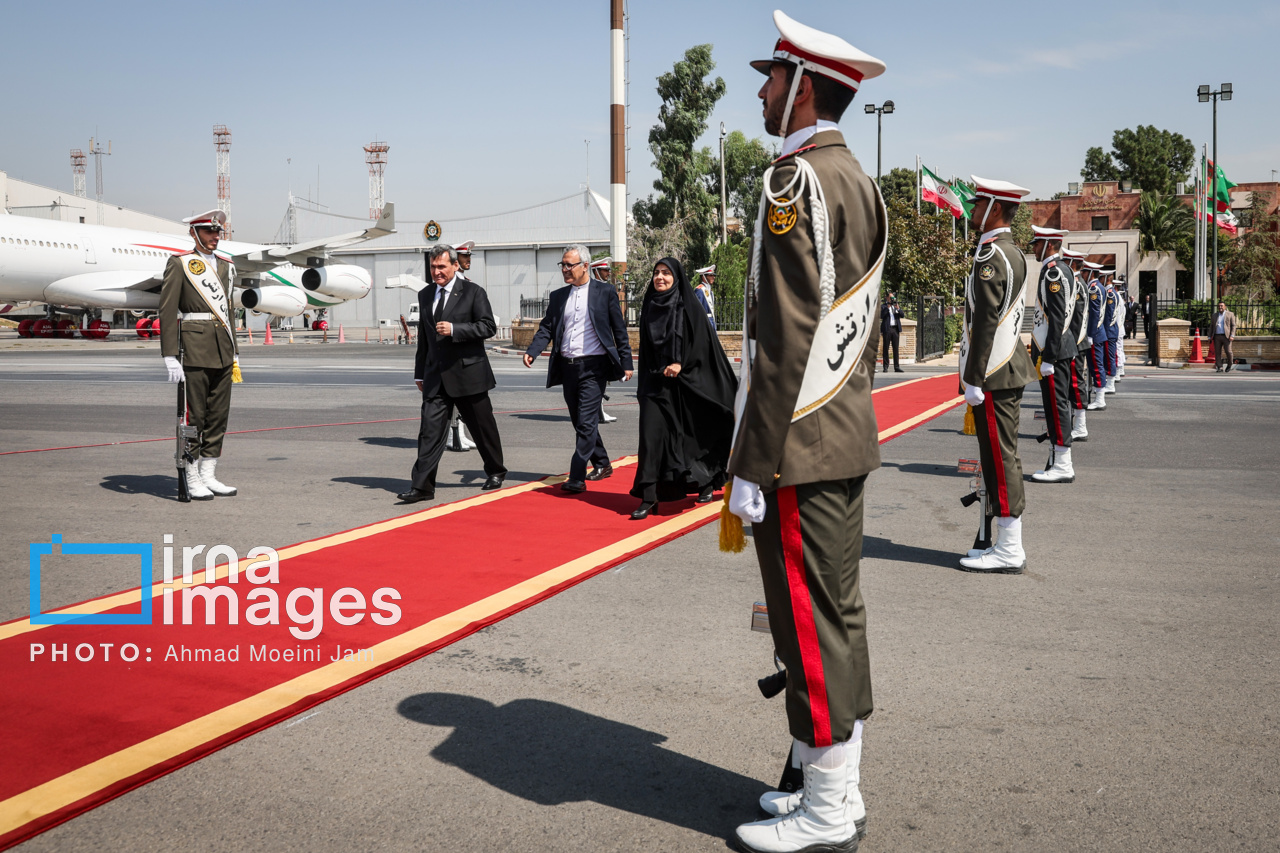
(589, 347)
(451, 369)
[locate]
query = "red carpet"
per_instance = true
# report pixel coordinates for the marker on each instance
(84, 731)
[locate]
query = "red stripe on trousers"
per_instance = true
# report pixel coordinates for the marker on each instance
(1002, 492)
(802, 615)
(1075, 386)
(1056, 421)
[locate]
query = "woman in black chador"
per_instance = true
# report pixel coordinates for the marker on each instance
(686, 392)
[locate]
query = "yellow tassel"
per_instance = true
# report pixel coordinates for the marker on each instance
(970, 428)
(732, 538)
(236, 375)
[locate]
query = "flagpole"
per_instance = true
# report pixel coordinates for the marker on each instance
(917, 184)
(1195, 249)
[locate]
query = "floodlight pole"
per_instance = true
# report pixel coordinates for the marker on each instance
(724, 219)
(886, 107)
(1204, 94)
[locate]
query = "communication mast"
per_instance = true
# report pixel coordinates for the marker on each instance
(222, 145)
(97, 152)
(375, 154)
(78, 160)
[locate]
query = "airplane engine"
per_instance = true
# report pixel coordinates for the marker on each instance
(340, 281)
(273, 299)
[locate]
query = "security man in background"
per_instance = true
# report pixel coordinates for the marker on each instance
(198, 343)
(601, 271)
(702, 292)
(890, 328)
(995, 368)
(1079, 333)
(1053, 348)
(1097, 337)
(459, 441)
(806, 435)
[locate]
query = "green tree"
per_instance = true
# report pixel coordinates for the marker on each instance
(899, 183)
(1164, 222)
(1155, 160)
(687, 102)
(731, 260)
(1022, 232)
(1256, 256)
(922, 258)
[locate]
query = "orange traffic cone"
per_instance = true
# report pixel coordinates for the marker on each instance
(1197, 355)
(250, 334)
(366, 335)
(291, 336)
(266, 341)
(342, 337)
(1211, 358)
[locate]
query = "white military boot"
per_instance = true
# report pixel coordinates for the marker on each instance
(1006, 557)
(1110, 387)
(823, 821)
(781, 803)
(605, 417)
(1079, 431)
(465, 440)
(1099, 399)
(195, 483)
(1059, 469)
(211, 483)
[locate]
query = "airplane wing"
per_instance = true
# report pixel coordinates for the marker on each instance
(107, 289)
(306, 254)
(407, 280)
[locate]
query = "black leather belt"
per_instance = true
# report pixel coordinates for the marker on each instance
(580, 358)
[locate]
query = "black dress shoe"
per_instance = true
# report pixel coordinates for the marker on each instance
(414, 495)
(644, 509)
(494, 482)
(573, 487)
(899, 370)
(600, 473)
(707, 495)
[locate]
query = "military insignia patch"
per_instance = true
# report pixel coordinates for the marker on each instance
(1094, 297)
(1054, 288)
(196, 266)
(987, 272)
(781, 218)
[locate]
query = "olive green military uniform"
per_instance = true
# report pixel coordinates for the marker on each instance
(208, 352)
(995, 290)
(812, 471)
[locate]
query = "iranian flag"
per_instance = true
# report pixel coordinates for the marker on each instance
(1221, 187)
(938, 191)
(967, 196)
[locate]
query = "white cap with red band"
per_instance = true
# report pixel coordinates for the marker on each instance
(819, 52)
(464, 248)
(999, 190)
(208, 219)
(1073, 256)
(1048, 233)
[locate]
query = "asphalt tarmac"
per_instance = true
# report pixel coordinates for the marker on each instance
(1120, 695)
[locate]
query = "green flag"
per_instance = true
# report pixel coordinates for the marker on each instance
(966, 196)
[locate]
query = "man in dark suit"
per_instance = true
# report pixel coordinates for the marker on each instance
(451, 369)
(890, 327)
(589, 347)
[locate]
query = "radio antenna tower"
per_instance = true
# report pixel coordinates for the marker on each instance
(97, 152)
(222, 145)
(375, 154)
(77, 172)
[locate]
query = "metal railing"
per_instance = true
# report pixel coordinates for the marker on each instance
(1252, 317)
(533, 309)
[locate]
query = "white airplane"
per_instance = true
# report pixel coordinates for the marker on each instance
(80, 270)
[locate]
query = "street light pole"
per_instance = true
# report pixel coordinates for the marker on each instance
(724, 221)
(1204, 94)
(887, 107)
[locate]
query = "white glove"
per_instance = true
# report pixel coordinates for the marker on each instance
(973, 395)
(175, 369)
(1088, 341)
(1046, 368)
(746, 501)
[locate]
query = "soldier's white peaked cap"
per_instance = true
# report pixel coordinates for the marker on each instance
(1073, 256)
(465, 248)
(1048, 233)
(1001, 190)
(819, 52)
(601, 264)
(711, 270)
(209, 217)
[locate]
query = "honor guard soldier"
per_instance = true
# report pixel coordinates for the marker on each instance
(995, 368)
(1112, 306)
(1097, 337)
(459, 441)
(706, 280)
(1053, 348)
(198, 342)
(600, 271)
(1080, 333)
(806, 435)
(1122, 311)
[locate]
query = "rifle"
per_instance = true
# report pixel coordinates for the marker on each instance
(185, 433)
(979, 494)
(771, 685)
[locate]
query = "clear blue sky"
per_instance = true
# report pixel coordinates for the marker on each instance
(486, 105)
